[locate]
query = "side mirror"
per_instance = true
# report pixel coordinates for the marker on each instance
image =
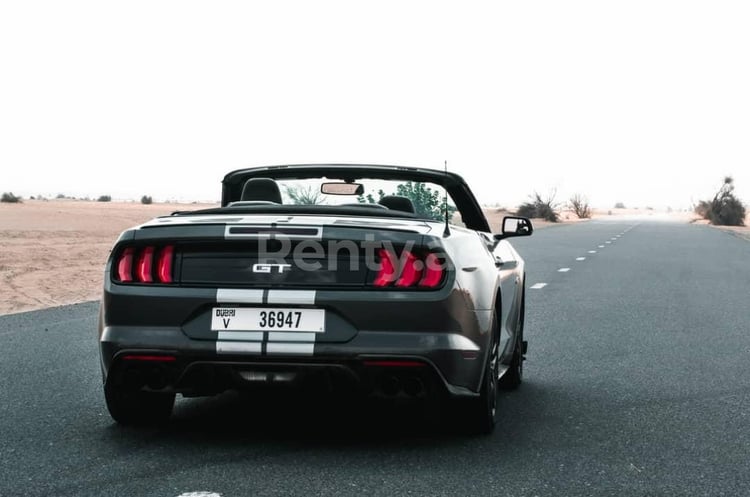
(515, 226)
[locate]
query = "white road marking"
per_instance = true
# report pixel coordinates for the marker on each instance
(538, 286)
(601, 246)
(607, 241)
(563, 270)
(580, 258)
(199, 494)
(592, 251)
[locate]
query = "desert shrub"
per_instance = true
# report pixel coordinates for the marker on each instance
(104, 198)
(10, 198)
(619, 205)
(146, 200)
(580, 206)
(305, 195)
(725, 208)
(540, 208)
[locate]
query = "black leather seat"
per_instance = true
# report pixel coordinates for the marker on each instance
(261, 189)
(397, 203)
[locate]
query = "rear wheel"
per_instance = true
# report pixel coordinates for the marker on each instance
(514, 375)
(481, 411)
(135, 407)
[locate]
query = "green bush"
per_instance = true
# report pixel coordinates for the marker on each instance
(104, 198)
(146, 200)
(10, 198)
(725, 209)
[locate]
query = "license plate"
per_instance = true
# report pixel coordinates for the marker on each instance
(268, 319)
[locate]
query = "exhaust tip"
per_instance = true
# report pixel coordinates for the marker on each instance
(390, 385)
(413, 386)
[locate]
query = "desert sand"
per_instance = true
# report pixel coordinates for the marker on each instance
(53, 252)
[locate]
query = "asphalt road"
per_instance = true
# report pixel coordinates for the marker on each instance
(637, 383)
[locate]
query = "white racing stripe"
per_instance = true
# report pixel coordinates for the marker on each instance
(247, 336)
(238, 347)
(299, 297)
(290, 336)
(290, 348)
(238, 296)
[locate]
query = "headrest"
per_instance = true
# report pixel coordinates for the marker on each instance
(397, 203)
(261, 189)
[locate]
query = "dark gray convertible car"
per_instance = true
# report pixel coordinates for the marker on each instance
(365, 280)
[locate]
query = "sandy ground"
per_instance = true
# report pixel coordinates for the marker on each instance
(53, 252)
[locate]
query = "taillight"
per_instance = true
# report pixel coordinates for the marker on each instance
(387, 273)
(433, 272)
(125, 265)
(145, 265)
(410, 271)
(164, 267)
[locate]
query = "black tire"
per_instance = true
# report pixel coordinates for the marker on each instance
(513, 377)
(481, 413)
(138, 408)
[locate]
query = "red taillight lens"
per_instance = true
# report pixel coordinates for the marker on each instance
(125, 265)
(151, 264)
(416, 271)
(144, 267)
(150, 358)
(164, 265)
(411, 272)
(433, 272)
(387, 273)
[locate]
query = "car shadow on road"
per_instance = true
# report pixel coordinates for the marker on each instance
(242, 420)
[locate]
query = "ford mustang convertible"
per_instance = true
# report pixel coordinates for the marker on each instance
(364, 280)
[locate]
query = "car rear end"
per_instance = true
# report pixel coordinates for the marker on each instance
(199, 305)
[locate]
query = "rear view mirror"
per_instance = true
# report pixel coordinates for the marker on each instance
(342, 188)
(515, 226)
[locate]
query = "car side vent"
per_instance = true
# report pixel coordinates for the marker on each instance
(150, 264)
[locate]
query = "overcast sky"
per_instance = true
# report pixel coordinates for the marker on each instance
(641, 102)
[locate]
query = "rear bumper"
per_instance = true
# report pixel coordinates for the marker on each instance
(441, 362)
